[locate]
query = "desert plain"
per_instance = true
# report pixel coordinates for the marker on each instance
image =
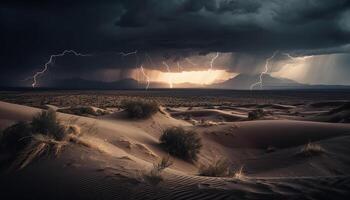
(253, 145)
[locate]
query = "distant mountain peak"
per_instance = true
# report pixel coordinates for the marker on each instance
(80, 83)
(244, 81)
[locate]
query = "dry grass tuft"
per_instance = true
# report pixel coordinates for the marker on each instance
(218, 168)
(83, 111)
(311, 149)
(154, 177)
(221, 168)
(239, 174)
(256, 114)
(46, 123)
(40, 145)
(45, 134)
(207, 123)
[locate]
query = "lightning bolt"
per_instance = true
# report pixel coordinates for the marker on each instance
(150, 59)
(213, 60)
(51, 61)
(267, 62)
(179, 68)
(170, 79)
(296, 58)
(289, 56)
(190, 61)
(37, 74)
(145, 75)
(128, 53)
(125, 54)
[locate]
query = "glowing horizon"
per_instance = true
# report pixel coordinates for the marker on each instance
(203, 77)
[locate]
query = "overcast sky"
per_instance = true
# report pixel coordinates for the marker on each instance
(245, 32)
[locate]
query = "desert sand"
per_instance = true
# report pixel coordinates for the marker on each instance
(119, 151)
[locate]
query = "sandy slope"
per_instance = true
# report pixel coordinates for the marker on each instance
(121, 150)
(210, 114)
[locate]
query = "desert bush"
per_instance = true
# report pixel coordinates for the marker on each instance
(38, 146)
(46, 123)
(16, 137)
(239, 174)
(83, 111)
(218, 168)
(154, 177)
(311, 149)
(207, 123)
(44, 135)
(139, 108)
(256, 114)
(78, 111)
(164, 163)
(181, 143)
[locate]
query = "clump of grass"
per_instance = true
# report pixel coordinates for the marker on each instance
(256, 114)
(83, 111)
(46, 123)
(221, 168)
(311, 149)
(207, 123)
(39, 145)
(218, 168)
(43, 135)
(140, 109)
(239, 174)
(181, 143)
(154, 177)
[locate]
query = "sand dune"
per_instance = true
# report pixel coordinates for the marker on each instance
(122, 149)
(278, 133)
(340, 114)
(212, 114)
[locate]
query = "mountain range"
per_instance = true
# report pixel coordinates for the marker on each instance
(239, 82)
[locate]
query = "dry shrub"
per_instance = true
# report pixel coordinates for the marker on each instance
(221, 168)
(39, 145)
(83, 111)
(140, 109)
(218, 168)
(46, 123)
(239, 174)
(44, 135)
(181, 143)
(256, 114)
(154, 177)
(207, 123)
(311, 149)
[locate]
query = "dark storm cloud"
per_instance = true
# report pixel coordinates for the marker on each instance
(300, 11)
(32, 30)
(236, 25)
